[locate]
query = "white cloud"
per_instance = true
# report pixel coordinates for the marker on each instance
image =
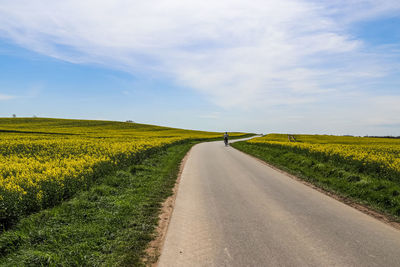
(6, 97)
(239, 53)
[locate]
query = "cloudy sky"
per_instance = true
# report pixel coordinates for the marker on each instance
(326, 66)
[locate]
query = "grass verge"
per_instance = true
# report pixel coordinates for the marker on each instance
(108, 225)
(339, 177)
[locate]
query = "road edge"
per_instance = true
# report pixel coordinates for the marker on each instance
(155, 246)
(386, 219)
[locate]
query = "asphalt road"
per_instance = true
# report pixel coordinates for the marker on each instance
(232, 210)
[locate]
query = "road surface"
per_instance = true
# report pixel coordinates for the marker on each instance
(232, 210)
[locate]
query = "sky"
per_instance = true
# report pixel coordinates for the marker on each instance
(282, 66)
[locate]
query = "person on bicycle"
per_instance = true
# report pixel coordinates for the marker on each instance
(226, 136)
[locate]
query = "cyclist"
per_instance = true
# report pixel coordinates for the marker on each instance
(226, 136)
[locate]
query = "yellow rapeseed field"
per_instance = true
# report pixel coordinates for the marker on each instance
(43, 161)
(383, 152)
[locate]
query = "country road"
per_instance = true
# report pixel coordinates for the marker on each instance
(232, 210)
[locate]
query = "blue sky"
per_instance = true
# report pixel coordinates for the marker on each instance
(43, 86)
(261, 66)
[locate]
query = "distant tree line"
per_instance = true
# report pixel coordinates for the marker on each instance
(14, 116)
(375, 136)
(387, 136)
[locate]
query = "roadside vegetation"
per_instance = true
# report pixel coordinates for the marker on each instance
(366, 170)
(108, 225)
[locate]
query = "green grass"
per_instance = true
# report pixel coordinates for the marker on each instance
(344, 178)
(108, 225)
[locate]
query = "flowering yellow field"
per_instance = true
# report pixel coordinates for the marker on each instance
(43, 161)
(382, 152)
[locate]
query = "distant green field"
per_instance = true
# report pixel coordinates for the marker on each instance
(366, 170)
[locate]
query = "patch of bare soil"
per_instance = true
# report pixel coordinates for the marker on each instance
(385, 218)
(153, 251)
